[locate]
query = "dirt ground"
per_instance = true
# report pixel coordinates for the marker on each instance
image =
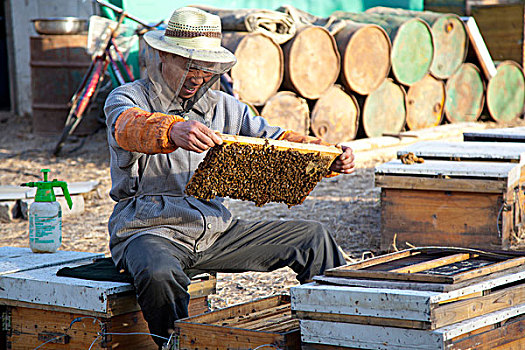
(348, 205)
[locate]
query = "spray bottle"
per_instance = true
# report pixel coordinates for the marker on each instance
(45, 215)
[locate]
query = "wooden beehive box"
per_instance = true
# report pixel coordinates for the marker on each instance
(449, 203)
(516, 134)
(261, 170)
(265, 322)
(422, 298)
(38, 306)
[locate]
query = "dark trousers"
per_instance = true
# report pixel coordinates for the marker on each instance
(161, 268)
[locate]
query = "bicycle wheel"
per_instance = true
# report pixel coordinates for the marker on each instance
(81, 102)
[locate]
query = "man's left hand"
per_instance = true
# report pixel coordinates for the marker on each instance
(344, 164)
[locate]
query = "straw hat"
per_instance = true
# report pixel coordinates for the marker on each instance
(193, 33)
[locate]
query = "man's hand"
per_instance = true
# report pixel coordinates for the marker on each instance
(193, 136)
(344, 164)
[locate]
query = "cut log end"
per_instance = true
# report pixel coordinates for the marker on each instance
(289, 111)
(425, 103)
(335, 116)
(311, 62)
(365, 56)
(259, 69)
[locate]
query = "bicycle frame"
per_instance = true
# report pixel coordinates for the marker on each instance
(88, 89)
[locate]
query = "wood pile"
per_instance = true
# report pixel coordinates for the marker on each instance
(428, 65)
(423, 298)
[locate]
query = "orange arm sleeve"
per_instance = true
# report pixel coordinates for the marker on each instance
(145, 132)
(293, 136)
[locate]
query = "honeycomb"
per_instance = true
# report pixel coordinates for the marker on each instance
(258, 173)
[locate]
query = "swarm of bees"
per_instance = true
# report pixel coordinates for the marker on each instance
(258, 173)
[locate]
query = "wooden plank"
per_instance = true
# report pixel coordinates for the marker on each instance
(460, 151)
(241, 309)
(380, 259)
(478, 44)
(283, 145)
(257, 315)
(199, 336)
(394, 338)
(516, 134)
(31, 327)
(457, 311)
(371, 283)
(427, 265)
(464, 288)
(440, 184)
(499, 266)
(378, 321)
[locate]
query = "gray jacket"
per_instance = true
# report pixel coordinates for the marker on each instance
(149, 189)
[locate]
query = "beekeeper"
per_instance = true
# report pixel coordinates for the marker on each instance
(158, 131)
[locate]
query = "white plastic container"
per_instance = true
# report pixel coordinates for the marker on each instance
(45, 227)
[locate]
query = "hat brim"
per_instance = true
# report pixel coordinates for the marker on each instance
(156, 39)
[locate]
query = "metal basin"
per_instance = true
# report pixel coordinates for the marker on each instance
(60, 25)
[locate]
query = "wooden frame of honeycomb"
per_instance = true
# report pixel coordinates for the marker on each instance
(261, 170)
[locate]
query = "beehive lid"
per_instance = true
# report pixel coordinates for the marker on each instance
(480, 177)
(444, 150)
(16, 259)
(261, 170)
(516, 134)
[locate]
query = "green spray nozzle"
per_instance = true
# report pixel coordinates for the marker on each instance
(45, 193)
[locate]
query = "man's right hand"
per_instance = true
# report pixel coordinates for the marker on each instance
(193, 136)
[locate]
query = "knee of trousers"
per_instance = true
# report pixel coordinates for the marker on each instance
(160, 277)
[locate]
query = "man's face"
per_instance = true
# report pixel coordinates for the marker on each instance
(173, 69)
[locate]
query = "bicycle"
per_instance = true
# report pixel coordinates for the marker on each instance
(82, 99)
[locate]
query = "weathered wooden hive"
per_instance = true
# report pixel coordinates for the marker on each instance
(430, 298)
(261, 170)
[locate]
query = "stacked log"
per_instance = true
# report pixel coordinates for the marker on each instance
(259, 71)
(425, 103)
(311, 62)
(450, 38)
(335, 116)
(365, 56)
(382, 72)
(412, 43)
(288, 111)
(506, 92)
(384, 110)
(465, 94)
